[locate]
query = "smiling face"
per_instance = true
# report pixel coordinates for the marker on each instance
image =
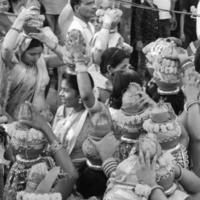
(68, 96)
(4, 5)
(32, 55)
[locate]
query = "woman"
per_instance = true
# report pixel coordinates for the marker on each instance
(19, 172)
(112, 60)
(78, 118)
(24, 75)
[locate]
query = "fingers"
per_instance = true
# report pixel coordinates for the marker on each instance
(153, 164)
(141, 158)
(147, 159)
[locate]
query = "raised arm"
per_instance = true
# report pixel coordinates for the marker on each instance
(10, 40)
(51, 60)
(65, 186)
(101, 39)
(64, 20)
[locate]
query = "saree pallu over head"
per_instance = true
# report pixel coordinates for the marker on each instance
(21, 83)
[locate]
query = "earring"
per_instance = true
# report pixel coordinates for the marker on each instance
(80, 101)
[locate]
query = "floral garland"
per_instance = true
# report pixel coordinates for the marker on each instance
(152, 127)
(28, 135)
(34, 196)
(130, 121)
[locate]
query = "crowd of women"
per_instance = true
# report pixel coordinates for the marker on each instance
(102, 131)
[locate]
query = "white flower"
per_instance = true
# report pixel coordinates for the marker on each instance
(143, 190)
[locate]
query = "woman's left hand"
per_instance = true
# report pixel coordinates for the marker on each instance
(41, 36)
(37, 121)
(145, 100)
(146, 172)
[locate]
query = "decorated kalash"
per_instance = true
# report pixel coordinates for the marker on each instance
(129, 119)
(166, 72)
(39, 184)
(124, 183)
(28, 148)
(163, 123)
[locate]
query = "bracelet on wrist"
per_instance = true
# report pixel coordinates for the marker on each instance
(16, 29)
(180, 176)
(188, 105)
(109, 166)
(55, 147)
(157, 187)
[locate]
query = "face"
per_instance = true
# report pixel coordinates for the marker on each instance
(123, 66)
(68, 95)
(32, 55)
(4, 6)
(87, 9)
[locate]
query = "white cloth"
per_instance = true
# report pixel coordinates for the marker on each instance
(69, 128)
(163, 4)
(198, 21)
(87, 30)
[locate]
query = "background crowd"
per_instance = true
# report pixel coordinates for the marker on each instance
(99, 99)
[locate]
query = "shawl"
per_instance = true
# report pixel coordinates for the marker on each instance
(67, 129)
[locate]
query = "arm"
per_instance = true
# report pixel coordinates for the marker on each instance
(66, 184)
(65, 19)
(61, 157)
(84, 85)
(10, 40)
(53, 61)
(100, 43)
(189, 180)
(182, 19)
(138, 28)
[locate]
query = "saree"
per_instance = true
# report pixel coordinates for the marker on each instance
(19, 82)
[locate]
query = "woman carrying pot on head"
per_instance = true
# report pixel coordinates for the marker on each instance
(23, 68)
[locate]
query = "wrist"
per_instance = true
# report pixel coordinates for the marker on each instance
(18, 23)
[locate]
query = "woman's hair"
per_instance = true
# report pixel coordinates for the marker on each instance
(112, 57)
(35, 43)
(72, 80)
(121, 81)
(176, 100)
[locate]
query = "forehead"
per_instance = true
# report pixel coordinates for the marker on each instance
(4, 1)
(65, 84)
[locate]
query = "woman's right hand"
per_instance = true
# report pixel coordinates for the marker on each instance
(25, 15)
(37, 121)
(192, 86)
(107, 146)
(146, 172)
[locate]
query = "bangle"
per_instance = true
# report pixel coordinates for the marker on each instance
(55, 147)
(15, 29)
(157, 187)
(187, 106)
(109, 166)
(55, 47)
(180, 176)
(81, 67)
